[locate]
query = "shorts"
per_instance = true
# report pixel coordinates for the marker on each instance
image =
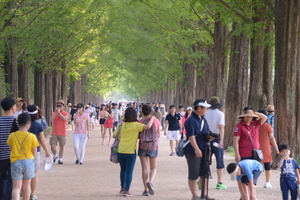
(101, 121)
(256, 174)
(37, 161)
(58, 138)
(92, 123)
(219, 154)
(173, 135)
(194, 166)
(145, 153)
(22, 169)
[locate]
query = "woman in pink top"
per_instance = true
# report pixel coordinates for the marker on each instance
(81, 133)
(188, 113)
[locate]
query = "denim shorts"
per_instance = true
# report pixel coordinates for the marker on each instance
(22, 169)
(144, 153)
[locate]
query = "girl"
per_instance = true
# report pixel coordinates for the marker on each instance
(129, 134)
(81, 133)
(108, 124)
(22, 146)
(37, 129)
(102, 116)
(148, 150)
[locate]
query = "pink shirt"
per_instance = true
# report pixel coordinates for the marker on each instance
(81, 123)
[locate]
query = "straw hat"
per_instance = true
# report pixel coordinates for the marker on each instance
(270, 108)
(248, 113)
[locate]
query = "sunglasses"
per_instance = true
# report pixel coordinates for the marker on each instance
(79, 107)
(58, 106)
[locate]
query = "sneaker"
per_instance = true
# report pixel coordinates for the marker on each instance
(267, 185)
(122, 191)
(145, 193)
(207, 198)
(54, 158)
(33, 197)
(150, 187)
(60, 162)
(127, 194)
(172, 154)
(80, 163)
(76, 162)
(196, 198)
(221, 186)
(198, 183)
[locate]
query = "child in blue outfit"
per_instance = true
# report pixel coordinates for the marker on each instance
(289, 172)
(246, 173)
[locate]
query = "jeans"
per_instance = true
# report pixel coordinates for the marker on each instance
(5, 180)
(115, 125)
(287, 184)
(127, 162)
(79, 141)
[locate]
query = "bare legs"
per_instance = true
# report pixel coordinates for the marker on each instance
(193, 187)
(19, 185)
(104, 135)
(34, 183)
(149, 169)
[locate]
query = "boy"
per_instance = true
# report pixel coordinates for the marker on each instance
(246, 172)
(289, 172)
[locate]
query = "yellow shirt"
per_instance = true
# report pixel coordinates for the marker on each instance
(15, 139)
(129, 136)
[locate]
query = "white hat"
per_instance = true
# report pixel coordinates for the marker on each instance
(47, 166)
(189, 108)
(203, 104)
(233, 174)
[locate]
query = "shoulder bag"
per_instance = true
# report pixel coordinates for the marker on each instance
(115, 146)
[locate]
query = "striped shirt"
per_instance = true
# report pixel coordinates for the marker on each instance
(5, 126)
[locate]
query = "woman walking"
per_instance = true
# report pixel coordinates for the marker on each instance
(101, 117)
(108, 125)
(81, 133)
(148, 150)
(37, 129)
(22, 146)
(129, 134)
(265, 139)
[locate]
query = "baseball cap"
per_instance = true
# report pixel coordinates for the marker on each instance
(232, 169)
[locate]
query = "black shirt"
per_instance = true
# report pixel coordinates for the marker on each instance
(173, 121)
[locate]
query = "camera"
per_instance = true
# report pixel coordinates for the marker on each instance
(211, 134)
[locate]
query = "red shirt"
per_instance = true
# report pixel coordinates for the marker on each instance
(59, 126)
(243, 130)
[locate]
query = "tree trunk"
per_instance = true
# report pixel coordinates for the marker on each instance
(39, 89)
(23, 81)
(219, 60)
(237, 89)
(14, 68)
(287, 74)
(50, 104)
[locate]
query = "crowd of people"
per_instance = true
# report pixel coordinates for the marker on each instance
(22, 133)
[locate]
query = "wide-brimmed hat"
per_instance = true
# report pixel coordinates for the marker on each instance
(215, 102)
(20, 99)
(270, 108)
(248, 113)
(61, 101)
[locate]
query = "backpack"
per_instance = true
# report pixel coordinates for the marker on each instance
(149, 138)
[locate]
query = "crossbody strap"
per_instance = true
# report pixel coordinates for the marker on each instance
(188, 141)
(250, 137)
(119, 131)
(21, 145)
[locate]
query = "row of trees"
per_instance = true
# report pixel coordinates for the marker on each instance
(174, 51)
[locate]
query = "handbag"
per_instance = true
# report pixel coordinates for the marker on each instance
(115, 146)
(256, 153)
(182, 143)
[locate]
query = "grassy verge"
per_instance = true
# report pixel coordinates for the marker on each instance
(230, 151)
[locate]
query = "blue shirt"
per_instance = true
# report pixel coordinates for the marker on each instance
(271, 121)
(192, 126)
(248, 166)
(173, 122)
(36, 128)
(288, 168)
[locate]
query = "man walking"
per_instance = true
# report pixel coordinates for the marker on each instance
(216, 122)
(8, 104)
(59, 120)
(173, 128)
(117, 115)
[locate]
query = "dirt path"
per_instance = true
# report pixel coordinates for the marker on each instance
(98, 178)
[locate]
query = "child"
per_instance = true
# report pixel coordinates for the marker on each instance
(92, 121)
(23, 146)
(246, 172)
(289, 172)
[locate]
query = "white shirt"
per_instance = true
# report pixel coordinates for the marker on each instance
(214, 118)
(117, 113)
